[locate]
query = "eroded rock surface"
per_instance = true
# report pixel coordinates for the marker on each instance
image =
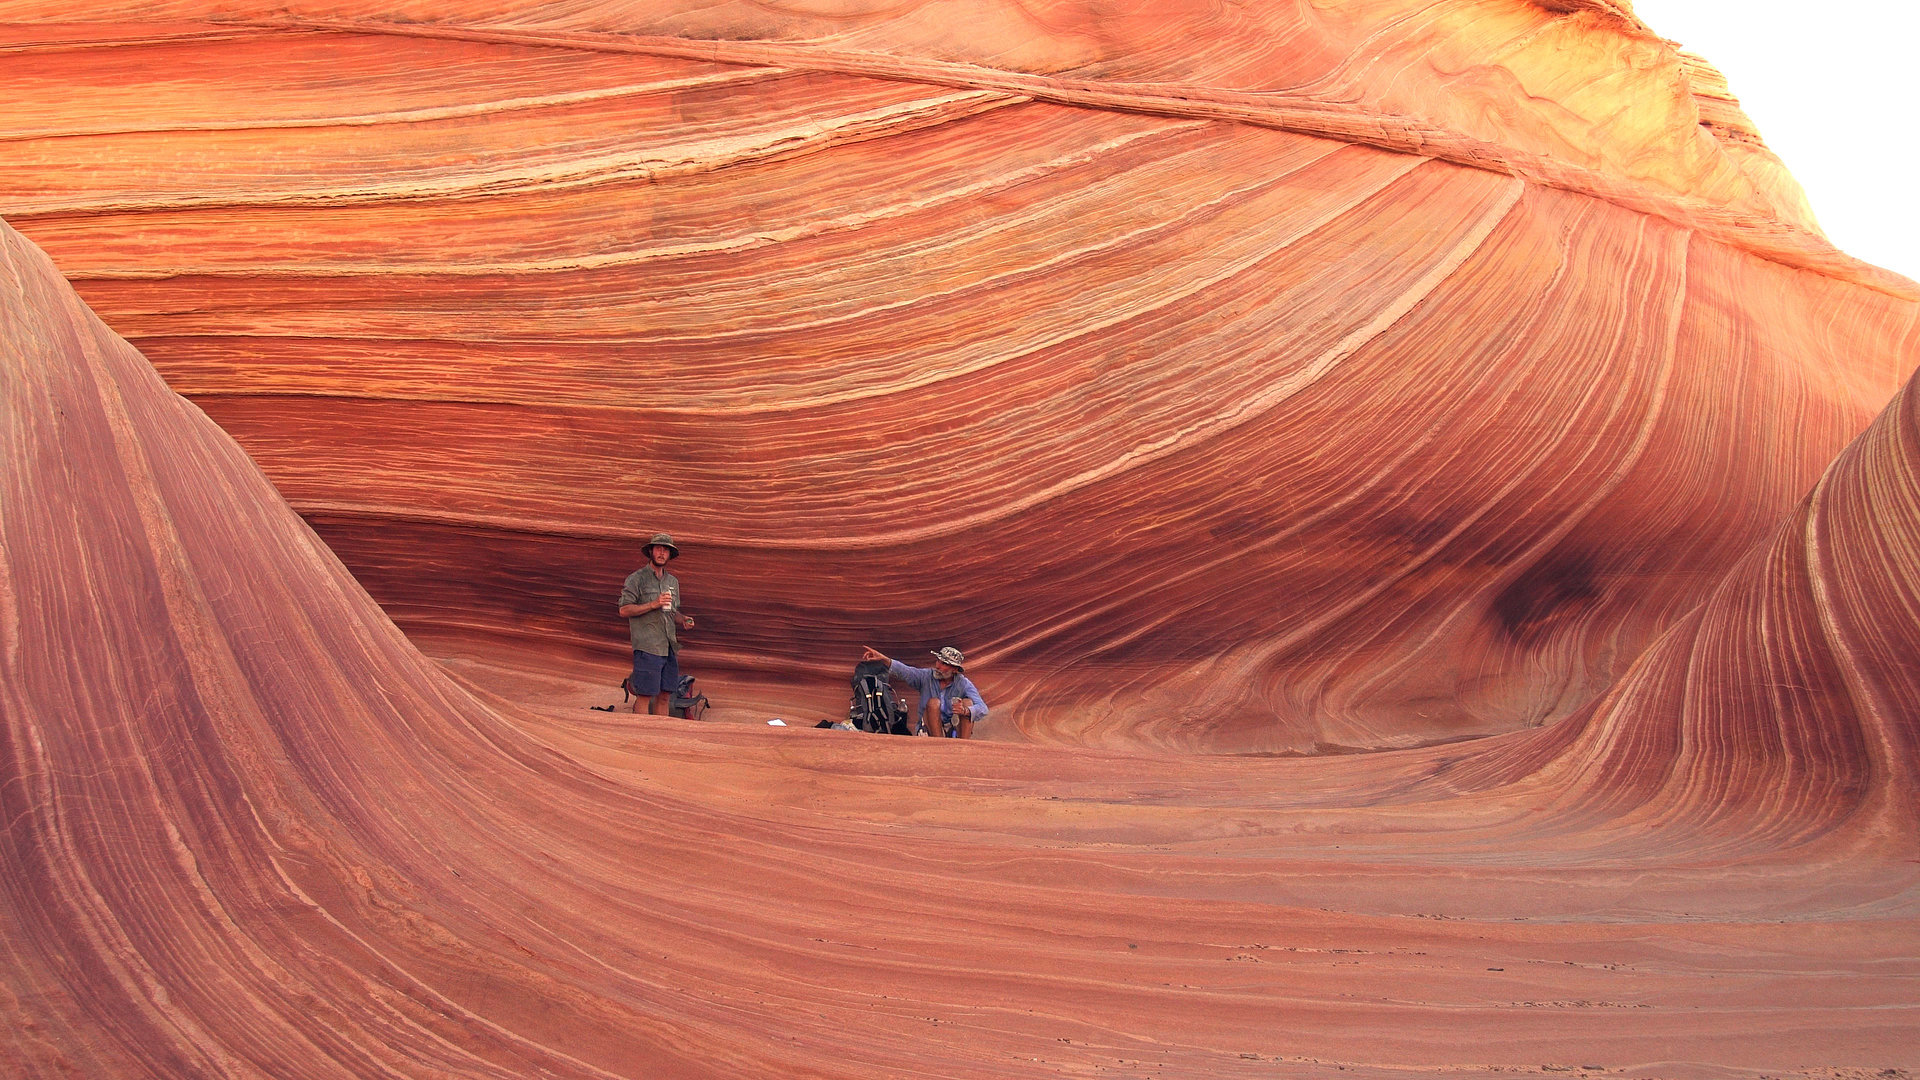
(1478, 368)
(920, 335)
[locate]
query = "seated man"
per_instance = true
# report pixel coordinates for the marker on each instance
(949, 702)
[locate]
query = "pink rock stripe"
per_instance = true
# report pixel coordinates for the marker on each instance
(1243, 387)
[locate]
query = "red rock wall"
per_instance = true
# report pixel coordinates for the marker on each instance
(251, 832)
(1468, 385)
(1782, 708)
(916, 336)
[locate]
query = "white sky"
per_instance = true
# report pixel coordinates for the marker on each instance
(1834, 88)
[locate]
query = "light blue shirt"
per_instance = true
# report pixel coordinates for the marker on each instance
(922, 680)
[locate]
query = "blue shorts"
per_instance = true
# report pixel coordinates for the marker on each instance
(653, 674)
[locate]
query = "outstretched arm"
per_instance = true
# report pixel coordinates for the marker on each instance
(913, 676)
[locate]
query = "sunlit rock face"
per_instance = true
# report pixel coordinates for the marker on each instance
(252, 832)
(1284, 378)
(1351, 375)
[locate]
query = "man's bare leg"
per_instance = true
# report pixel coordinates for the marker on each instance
(658, 704)
(930, 720)
(965, 720)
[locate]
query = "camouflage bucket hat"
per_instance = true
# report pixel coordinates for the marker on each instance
(662, 540)
(951, 655)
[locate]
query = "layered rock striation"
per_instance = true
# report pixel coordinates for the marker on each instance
(1464, 378)
(251, 831)
(1448, 352)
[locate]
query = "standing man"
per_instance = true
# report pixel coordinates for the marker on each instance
(650, 601)
(949, 702)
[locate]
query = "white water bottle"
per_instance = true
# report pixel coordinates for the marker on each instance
(666, 595)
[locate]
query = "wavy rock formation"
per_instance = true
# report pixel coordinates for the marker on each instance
(1460, 377)
(1443, 348)
(252, 832)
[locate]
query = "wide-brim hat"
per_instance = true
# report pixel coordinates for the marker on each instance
(662, 540)
(951, 657)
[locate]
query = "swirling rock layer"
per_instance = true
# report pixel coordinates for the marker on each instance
(252, 832)
(1354, 375)
(954, 355)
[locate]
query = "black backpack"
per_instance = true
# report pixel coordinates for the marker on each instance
(874, 706)
(685, 702)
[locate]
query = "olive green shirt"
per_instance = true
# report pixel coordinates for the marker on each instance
(652, 631)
